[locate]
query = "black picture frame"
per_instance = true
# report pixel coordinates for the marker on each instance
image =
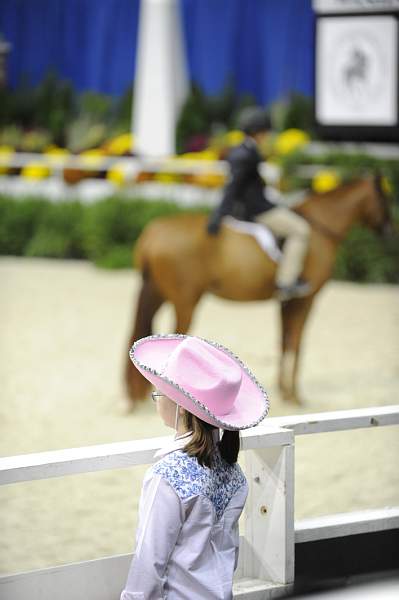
(355, 133)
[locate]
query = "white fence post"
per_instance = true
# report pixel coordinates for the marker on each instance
(269, 515)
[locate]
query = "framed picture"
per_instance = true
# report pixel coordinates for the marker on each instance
(357, 77)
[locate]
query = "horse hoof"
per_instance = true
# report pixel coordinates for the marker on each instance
(291, 397)
(127, 408)
(295, 400)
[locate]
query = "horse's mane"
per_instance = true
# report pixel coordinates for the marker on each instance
(335, 194)
(315, 208)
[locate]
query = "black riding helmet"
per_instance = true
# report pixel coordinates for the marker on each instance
(253, 120)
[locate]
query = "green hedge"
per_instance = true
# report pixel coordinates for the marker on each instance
(365, 257)
(105, 232)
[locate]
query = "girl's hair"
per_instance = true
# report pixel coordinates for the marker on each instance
(202, 445)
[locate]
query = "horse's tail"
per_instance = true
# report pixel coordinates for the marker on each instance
(149, 300)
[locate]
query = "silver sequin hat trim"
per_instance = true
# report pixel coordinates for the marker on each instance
(179, 336)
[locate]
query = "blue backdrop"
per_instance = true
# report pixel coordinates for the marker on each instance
(265, 47)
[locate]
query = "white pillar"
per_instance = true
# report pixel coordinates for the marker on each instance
(161, 83)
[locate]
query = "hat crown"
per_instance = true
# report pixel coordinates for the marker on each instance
(253, 119)
(206, 373)
(202, 377)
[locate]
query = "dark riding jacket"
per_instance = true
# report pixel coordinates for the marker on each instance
(243, 196)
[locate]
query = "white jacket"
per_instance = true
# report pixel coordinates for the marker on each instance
(187, 537)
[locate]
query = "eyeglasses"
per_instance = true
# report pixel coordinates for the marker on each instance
(155, 395)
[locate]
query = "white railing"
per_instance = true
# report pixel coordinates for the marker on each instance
(174, 164)
(103, 162)
(88, 189)
(192, 193)
(267, 548)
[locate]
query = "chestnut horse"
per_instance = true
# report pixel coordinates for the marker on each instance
(179, 261)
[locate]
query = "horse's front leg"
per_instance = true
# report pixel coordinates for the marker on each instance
(293, 317)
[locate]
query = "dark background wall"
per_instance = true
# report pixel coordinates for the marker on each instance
(262, 47)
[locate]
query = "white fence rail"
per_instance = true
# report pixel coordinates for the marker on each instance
(89, 189)
(267, 548)
(179, 165)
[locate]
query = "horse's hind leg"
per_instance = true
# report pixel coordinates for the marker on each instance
(147, 305)
(293, 318)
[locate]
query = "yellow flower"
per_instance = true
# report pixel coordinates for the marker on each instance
(117, 174)
(290, 140)
(119, 145)
(5, 154)
(210, 180)
(53, 149)
(92, 158)
(6, 151)
(56, 155)
(35, 170)
(325, 181)
(386, 186)
(167, 178)
(203, 155)
(233, 138)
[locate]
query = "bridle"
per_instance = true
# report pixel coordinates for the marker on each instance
(337, 237)
(323, 229)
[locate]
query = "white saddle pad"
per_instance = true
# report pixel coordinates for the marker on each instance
(261, 233)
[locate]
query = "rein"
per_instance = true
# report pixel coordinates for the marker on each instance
(321, 228)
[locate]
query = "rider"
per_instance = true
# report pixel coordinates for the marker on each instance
(244, 199)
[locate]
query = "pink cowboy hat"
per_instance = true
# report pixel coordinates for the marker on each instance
(203, 377)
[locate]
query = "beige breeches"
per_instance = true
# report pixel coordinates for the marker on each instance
(284, 223)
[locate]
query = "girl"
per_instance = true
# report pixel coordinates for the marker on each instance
(187, 538)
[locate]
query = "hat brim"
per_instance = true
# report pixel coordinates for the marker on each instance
(150, 355)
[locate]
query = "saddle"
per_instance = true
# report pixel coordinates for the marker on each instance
(264, 237)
